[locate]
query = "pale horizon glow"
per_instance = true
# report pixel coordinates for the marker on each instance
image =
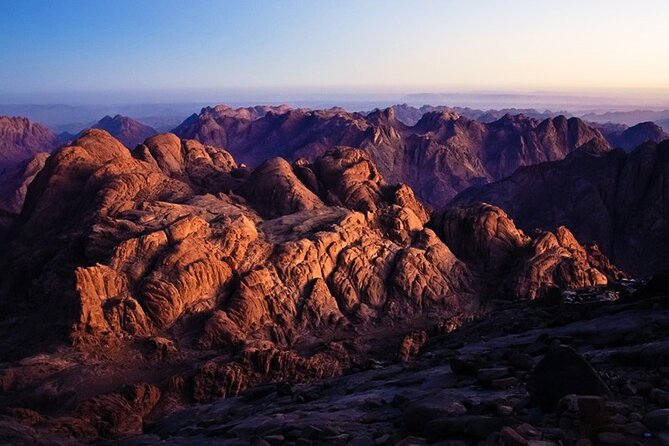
(128, 49)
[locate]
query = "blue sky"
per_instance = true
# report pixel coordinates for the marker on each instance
(123, 48)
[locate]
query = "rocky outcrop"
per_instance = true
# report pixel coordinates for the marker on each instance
(138, 240)
(350, 179)
(275, 190)
(127, 130)
(487, 240)
(24, 147)
(438, 156)
(119, 414)
(563, 372)
(162, 240)
(617, 200)
(426, 402)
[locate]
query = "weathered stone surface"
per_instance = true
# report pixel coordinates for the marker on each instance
(411, 345)
(120, 413)
(275, 190)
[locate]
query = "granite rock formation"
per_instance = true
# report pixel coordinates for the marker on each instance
(21, 140)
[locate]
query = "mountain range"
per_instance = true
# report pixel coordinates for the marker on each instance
(629, 138)
(439, 156)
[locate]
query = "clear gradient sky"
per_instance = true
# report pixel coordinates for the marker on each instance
(133, 46)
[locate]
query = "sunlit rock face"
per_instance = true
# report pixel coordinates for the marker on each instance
(488, 241)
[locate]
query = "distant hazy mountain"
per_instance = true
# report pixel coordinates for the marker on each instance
(126, 130)
(411, 115)
(627, 117)
(629, 138)
(439, 156)
(73, 118)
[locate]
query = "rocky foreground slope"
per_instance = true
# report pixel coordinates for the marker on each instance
(136, 283)
(439, 156)
(539, 375)
(619, 200)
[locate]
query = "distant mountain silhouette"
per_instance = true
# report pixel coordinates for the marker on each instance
(411, 115)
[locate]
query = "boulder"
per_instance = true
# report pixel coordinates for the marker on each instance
(562, 371)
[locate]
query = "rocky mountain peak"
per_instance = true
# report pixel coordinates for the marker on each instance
(127, 130)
